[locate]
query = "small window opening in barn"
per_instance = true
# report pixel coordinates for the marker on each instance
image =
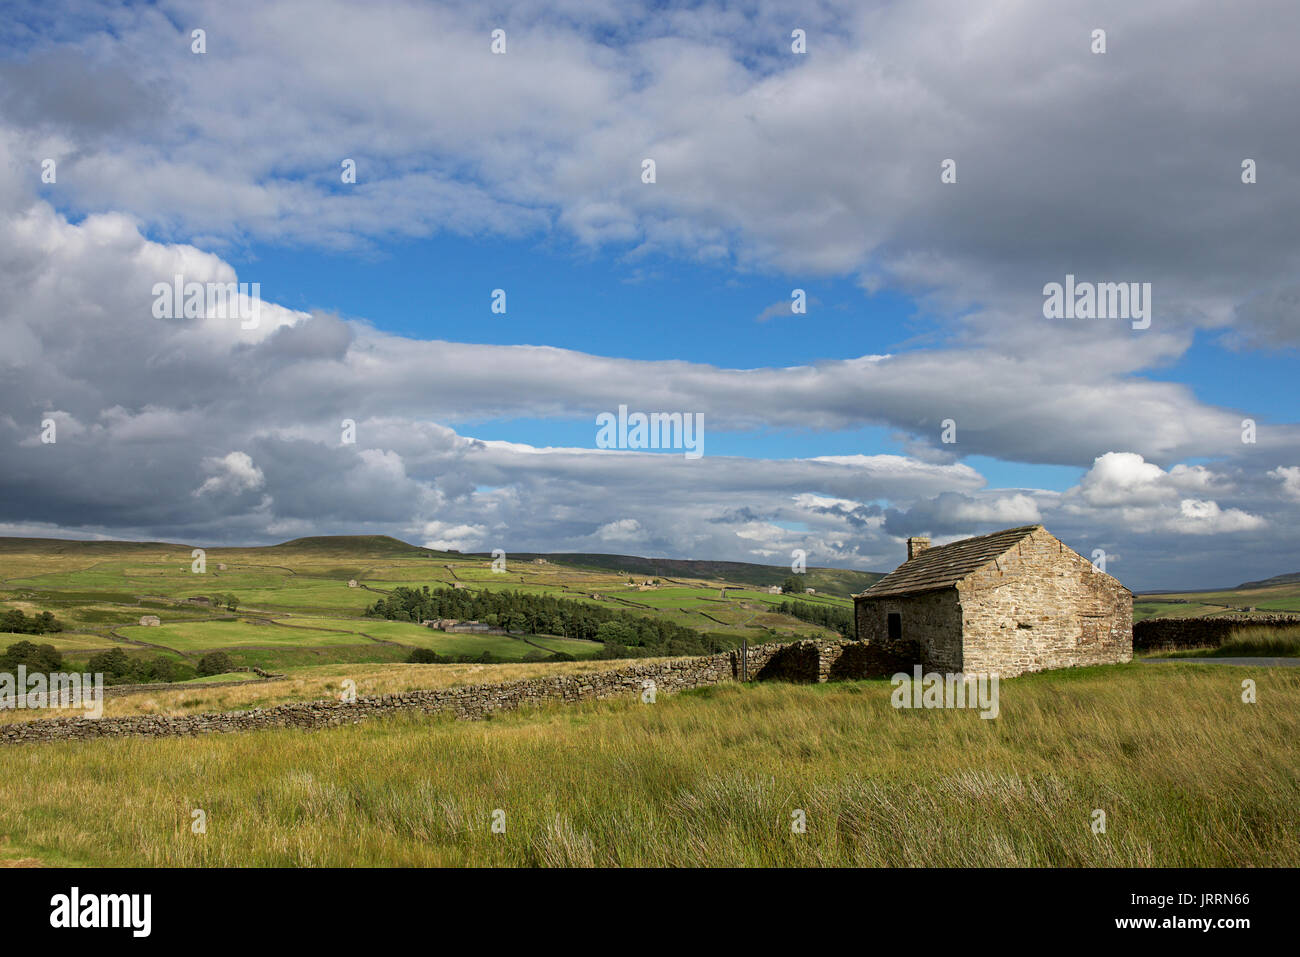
(895, 622)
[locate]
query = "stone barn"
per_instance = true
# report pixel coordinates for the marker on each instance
(1014, 601)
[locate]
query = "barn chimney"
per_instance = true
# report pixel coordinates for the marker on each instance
(916, 546)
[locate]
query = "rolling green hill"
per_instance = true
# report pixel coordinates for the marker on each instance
(1292, 579)
(836, 581)
(352, 546)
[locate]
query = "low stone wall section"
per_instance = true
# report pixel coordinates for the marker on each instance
(804, 661)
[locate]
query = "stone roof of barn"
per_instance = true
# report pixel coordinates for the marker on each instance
(943, 566)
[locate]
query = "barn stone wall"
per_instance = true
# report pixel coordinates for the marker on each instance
(1043, 606)
(931, 627)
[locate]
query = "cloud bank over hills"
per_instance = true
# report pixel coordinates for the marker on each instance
(1124, 167)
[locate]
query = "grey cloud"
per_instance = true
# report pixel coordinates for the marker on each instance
(320, 337)
(64, 89)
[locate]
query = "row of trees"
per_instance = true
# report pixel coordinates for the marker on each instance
(828, 616)
(115, 665)
(623, 633)
(41, 624)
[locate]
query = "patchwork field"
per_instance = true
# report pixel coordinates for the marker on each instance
(1282, 597)
(295, 607)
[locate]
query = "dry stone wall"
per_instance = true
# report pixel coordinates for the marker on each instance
(1157, 634)
(805, 661)
(930, 624)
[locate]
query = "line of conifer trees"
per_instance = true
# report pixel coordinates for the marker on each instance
(828, 616)
(624, 633)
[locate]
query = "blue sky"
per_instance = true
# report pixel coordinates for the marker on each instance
(775, 171)
(590, 300)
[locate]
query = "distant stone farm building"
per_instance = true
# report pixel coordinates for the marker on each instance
(150, 620)
(352, 583)
(476, 627)
(456, 626)
(1014, 601)
(774, 589)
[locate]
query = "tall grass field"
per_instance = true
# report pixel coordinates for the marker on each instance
(1185, 771)
(1250, 641)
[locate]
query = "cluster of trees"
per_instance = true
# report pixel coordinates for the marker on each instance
(623, 633)
(42, 659)
(230, 601)
(119, 668)
(828, 616)
(14, 620)
(215, 663)
(793, 585)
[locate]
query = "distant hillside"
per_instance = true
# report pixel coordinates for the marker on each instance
(354, 546)
(835, 581)
(1290, 579)
(69, 546)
